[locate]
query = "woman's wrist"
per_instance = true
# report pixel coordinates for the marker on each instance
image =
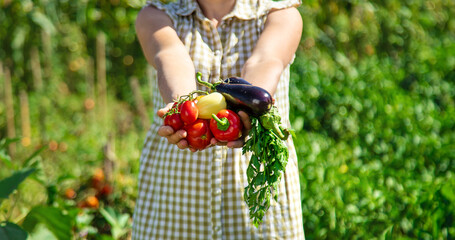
(263, 73)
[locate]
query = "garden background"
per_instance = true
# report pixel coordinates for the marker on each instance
(373, 107)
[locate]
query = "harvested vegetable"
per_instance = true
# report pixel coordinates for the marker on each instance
(266, 142)
(173, 120)
(226, 125)
(172, 117)
(210, 104)
(198, 134)
(189, 112)
(269, 153)
(253, 100)
(269, 157)
(236, 80)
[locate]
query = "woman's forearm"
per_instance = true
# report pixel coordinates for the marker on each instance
(175, 72)
(164, 50)
(263, 72)
(275, 49)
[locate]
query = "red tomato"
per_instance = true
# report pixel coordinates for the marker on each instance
(226, 125)
(198, 134)
(174, 121)
(189, 112)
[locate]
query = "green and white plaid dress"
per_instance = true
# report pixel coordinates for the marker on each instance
(186, 195)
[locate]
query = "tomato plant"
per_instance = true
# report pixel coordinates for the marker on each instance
(226, 125)
(199, 134)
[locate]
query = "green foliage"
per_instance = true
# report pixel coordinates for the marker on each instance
(62, 216)
(373, 93)
(65, 32)
(9, 184)
(372, 104)
(10, 231)
(53, 218)
(269, 157)
(119, 222)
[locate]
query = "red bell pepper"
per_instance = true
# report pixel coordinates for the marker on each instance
(226, 125)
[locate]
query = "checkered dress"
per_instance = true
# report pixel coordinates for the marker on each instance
(186, 195)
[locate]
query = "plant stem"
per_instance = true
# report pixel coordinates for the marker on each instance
(198, 92)
(222, 124)
(199, 80)
(277, 131)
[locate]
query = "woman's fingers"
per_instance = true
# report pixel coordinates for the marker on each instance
(165, 131)
(237, 143)
(245, 120)
(173, 137)
(182, 144)
(177, 137)
(214, 142)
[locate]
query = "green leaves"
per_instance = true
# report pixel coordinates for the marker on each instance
(44, 22)
(119, 222)
(448, 191)
(10, 231)
(267, 163)
(53, 218)
(376, 146)
(9, 184)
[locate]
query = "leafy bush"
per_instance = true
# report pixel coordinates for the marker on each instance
(373, 85)
(82, 210)
(373, 104)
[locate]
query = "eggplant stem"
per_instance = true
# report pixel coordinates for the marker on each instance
(277, 130)
(198, 92)
(222, 124)
(199, 80)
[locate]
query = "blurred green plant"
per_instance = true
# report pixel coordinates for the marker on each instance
(119, 223)
(373, 93)
(51, 218)
(372, 104)
(67, 215)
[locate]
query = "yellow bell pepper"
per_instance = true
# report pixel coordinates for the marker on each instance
(210, 104)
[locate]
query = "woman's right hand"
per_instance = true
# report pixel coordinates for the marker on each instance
(173, 137)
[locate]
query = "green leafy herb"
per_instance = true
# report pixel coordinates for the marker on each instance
(269, 156)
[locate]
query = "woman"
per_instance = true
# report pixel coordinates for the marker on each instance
(198, 194)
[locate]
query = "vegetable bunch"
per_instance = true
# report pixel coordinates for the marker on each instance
(269, 154)
(269, 157)
(215, 114)
(204, 117)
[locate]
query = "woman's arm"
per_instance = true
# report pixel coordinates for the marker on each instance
(275, 48)
(175, 70)
(164, 50)
(273, 52)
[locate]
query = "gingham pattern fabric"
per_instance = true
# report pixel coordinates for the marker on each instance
(185, 195)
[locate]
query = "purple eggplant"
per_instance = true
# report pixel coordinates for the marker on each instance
(236, 80)
(253, 100)
(241, 95)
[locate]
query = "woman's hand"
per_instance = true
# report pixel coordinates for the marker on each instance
(173, 137)
(246, 121)
(178, 137)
